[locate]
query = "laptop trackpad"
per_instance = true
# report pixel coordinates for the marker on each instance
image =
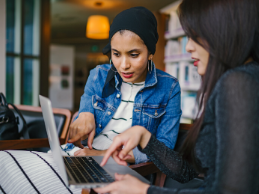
(112, 167)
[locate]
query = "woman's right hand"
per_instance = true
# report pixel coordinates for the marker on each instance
(82, 128)
(125, 142)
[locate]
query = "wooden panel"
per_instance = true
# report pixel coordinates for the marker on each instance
(185, 126)
(25, 143)
(160, 46)
(160, 179)
(145, 168)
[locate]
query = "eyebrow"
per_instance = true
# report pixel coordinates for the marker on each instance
(131, 51)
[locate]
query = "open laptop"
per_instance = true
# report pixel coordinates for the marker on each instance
(80, 171)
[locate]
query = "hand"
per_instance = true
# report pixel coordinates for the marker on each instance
(81, 128)
(88, 152)
(127, 140)
(124, 184)
(130, 159)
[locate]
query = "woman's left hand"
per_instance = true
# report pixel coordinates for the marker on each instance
(124, 184)
(88, 152)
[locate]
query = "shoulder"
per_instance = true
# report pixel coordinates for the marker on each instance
(166, 80)
(239, 77)
(237, 83)
(104, 68)
(100, 71)
(163, 75)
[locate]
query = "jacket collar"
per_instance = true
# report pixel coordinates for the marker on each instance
(151, 78)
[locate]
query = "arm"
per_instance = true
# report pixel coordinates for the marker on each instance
(237, 128)
(168, 128)
(84, 124)
(169, 161)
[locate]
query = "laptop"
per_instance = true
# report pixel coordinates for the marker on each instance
(80, 171)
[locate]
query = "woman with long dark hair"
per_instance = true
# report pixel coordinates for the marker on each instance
(224, 141)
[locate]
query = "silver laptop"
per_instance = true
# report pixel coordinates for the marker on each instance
(80, 171)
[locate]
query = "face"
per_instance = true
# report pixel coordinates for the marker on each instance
(130, 56)
(199, 54)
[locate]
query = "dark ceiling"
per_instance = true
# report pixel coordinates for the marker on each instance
(69, 17)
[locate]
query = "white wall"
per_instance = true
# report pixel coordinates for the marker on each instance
(2, 45)
(61, 56)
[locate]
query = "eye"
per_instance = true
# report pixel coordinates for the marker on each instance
(134, 55)
(116, 54)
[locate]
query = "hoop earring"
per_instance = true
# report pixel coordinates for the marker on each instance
(112, 66)
(149, 64)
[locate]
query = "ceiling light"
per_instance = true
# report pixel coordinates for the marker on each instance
(97, 27)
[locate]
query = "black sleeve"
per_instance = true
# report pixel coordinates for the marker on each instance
(236, 107)
(169, 161)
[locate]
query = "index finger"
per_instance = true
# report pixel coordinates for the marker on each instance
(110, 151)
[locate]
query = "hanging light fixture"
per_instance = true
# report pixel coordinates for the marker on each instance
(97, 27)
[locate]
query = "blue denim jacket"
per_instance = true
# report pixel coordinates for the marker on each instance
(157, 106)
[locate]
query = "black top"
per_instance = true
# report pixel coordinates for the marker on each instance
(228, 144)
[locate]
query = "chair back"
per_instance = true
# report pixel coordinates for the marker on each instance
(36, 126)
(183, 129)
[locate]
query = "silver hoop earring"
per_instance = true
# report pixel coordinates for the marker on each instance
(149, 64)
(112, 66)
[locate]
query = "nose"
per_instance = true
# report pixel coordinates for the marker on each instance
(189, 46)
(125, 64)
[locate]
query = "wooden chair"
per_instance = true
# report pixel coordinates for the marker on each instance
(34, 120)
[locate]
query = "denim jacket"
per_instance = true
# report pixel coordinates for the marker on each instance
(156, 107)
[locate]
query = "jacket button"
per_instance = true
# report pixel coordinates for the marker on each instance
(118, 95)
(109, 113)
(95, 104)
(100, 126)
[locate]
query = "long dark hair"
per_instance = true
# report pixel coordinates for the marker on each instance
(229, 32)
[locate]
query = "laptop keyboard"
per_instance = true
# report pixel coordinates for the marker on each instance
(86, 170)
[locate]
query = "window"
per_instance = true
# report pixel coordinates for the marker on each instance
(22, 51)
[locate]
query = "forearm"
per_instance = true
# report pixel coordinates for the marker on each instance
(169, 161)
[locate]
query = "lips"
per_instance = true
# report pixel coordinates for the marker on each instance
(127, 75)
(195, 63)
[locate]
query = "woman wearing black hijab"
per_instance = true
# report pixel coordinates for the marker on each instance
(129, 91)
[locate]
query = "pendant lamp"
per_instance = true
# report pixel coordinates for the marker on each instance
(97, 27)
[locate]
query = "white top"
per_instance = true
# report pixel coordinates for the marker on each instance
(122, 119)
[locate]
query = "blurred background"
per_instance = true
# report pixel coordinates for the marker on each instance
(48, 47)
